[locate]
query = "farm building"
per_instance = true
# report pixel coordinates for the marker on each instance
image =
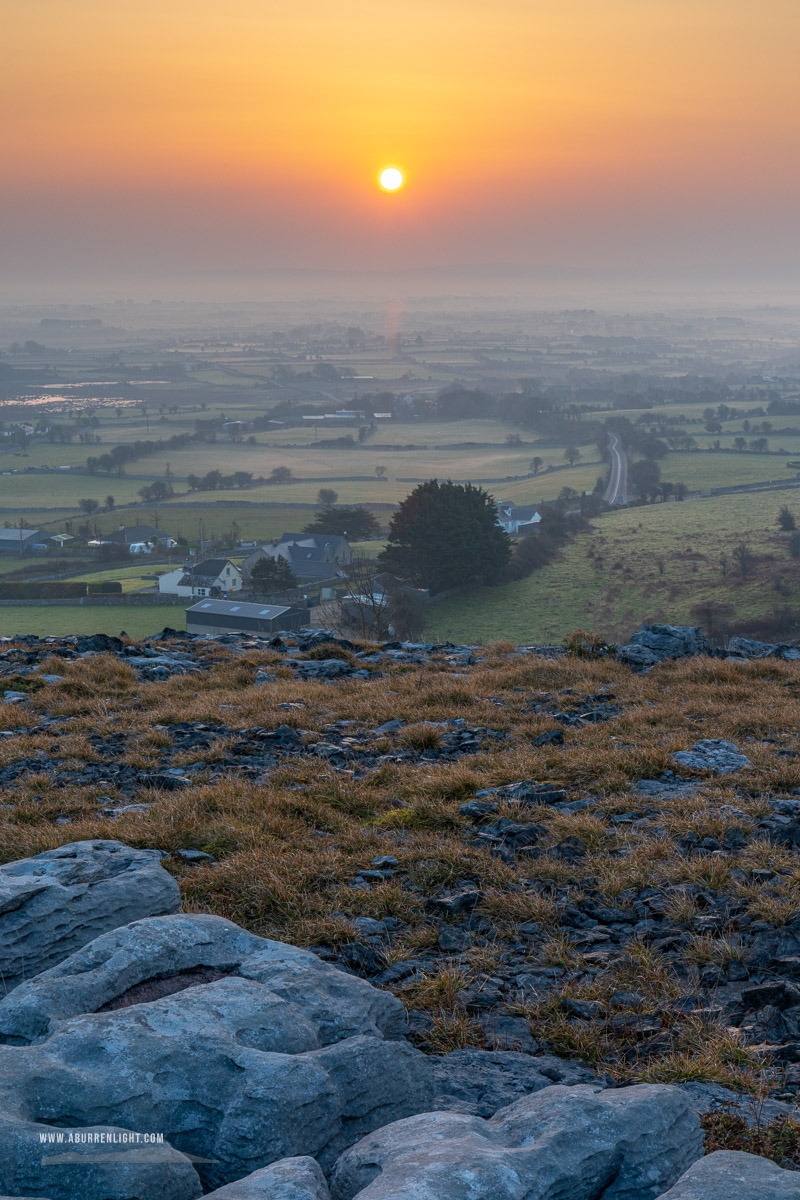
(215, 617)
(18, 541)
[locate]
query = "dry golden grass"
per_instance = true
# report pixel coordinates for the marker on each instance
(290, 844)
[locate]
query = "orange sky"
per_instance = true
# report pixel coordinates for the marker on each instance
(245, 133)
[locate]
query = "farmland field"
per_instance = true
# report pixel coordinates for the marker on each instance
(139, 620)
(546, 381)
(138, 578)
(641, 564)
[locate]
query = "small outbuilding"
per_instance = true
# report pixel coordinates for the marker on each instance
(20, 541)
(215, 617)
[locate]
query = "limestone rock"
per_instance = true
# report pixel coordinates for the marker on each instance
(111, 1169)
(323, 668)
(713, 754)
(653, 643)
(731, 1175)
(637, 656)
(711, 1097)
(289, 1179)
(749, 648)
(161, 955)
(233, 1073)
(480, 1082)
(626, 1144)
(56, 902)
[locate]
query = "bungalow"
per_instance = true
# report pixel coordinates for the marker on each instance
(517, 518)
(214, 577)
(215, 617)
(135, 535)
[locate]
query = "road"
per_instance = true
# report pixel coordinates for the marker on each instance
(617, 490)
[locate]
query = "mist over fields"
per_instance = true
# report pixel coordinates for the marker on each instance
(218, 420)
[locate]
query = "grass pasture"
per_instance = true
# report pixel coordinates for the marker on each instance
(288, 843)
(63, 620)
(640, 564)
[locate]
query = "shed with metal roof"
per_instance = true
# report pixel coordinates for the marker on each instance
(215, 617)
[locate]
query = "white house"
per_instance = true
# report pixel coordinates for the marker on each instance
(517, 518)
(214, 577)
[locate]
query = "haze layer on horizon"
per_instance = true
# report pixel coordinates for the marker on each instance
(163, 138)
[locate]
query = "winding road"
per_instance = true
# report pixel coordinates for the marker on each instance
(617, 490)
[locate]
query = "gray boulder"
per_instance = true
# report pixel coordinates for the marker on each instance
(731, 1175)
(234, 1074)
(101, 1161)
(159, 956)
(654, 643)
(749, 648)
(713, 754)
(769, 946)
(711, 1097)
(640, 657)
(56, 902)
(668, 786)
(480, 1082)
(626, 1144)
(321, 668)
(290, 1179)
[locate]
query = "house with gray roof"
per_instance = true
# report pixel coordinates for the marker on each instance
(311, 556)
(517, 518)
(129, 535)
(212, 577)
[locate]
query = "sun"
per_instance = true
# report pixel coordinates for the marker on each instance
(391, 178)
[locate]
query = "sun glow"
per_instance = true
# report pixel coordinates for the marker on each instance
(391, 178)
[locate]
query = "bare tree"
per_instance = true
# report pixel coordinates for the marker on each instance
(713, 615)
(375, 605)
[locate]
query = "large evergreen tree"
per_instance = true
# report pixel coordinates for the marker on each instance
(271, 575)
(352, 521)
(444, 535)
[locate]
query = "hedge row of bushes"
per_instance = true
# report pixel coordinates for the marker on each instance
(109, 588)
(53, 589)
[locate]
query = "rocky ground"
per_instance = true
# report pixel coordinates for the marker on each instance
(147, 1053)
(587, 856)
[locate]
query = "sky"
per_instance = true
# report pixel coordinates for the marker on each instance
(170, 137)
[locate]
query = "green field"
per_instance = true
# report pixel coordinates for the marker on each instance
(701, 471)
(40, 491)
(652, 563)
(133, 579)
(482, 451)
(472, 450)
(246, 522)
(138, 621)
